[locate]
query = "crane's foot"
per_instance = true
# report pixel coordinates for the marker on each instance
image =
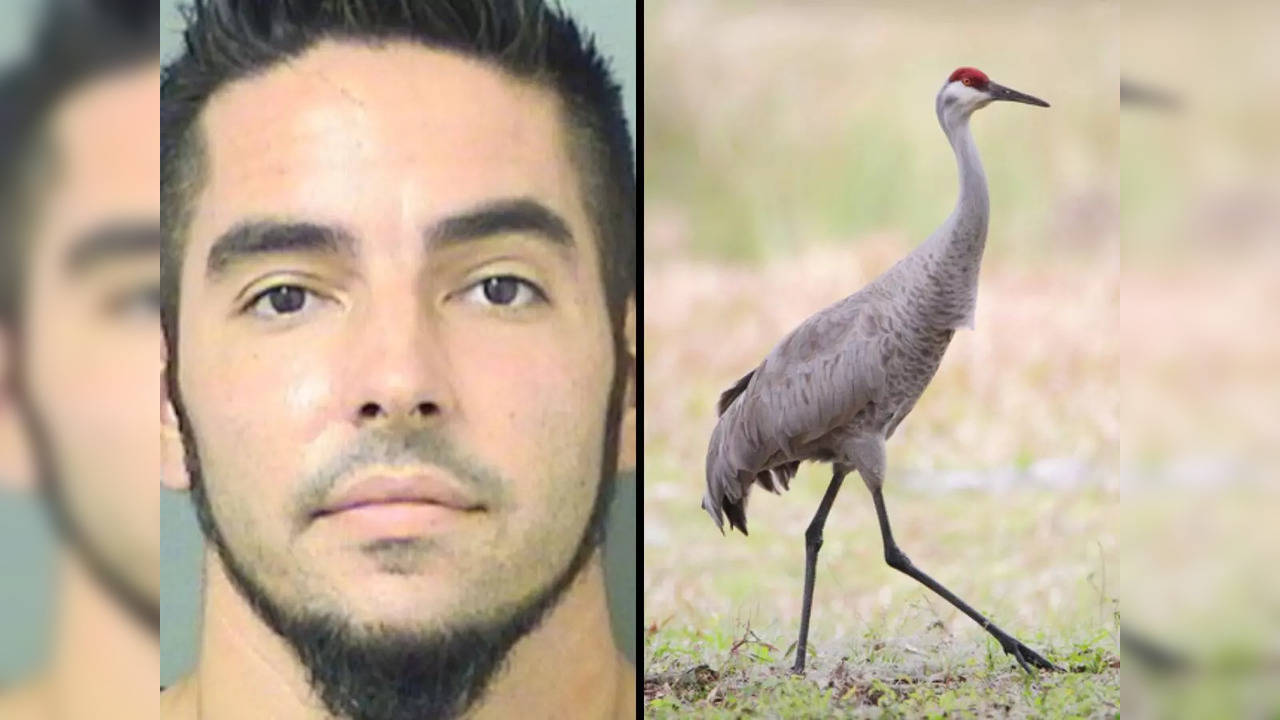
(797, 668)
(1025, 656)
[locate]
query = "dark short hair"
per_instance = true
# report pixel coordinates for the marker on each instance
(231, 39)
(76, 42)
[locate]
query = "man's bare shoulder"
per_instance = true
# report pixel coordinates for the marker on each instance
(627, 692)
(177, 702)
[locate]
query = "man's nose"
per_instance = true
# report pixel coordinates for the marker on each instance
(402, 373)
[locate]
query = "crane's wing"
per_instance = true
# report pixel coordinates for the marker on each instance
(728, 396)
(814, 381)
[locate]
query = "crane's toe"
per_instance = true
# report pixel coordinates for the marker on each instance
(797, 668)
(1025, 656)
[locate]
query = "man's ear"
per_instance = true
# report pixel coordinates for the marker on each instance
(627, 436)
(17, 471)
(173, 465)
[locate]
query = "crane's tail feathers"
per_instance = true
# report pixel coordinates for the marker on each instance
(785, 472)
(726, 489)
(736, 512)
(777, 479)
(728, 396)
(714, 512)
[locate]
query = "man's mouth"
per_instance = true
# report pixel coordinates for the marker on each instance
(399, 504)
(432, 488)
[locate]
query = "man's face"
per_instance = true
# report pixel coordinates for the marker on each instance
(390, 289)
(91, 346)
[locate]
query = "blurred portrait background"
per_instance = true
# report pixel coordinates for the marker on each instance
(79, 344)
(98, 362)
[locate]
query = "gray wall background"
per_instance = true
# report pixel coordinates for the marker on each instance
(16, 18)
(26, 582)
(614, 25)
(26, 546)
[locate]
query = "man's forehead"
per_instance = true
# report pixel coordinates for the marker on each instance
(398, 131)
(103, 139)
(389, 72)
(121, 106)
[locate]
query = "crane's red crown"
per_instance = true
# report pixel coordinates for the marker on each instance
(972, 77)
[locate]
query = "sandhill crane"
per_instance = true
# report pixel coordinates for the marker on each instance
(837, 386)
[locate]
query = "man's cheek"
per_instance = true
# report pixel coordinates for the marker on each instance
(307, 397)
(240, 406)
(263, 390)
(523, 393)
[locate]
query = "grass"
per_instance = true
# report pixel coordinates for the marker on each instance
(721, 613)
(877, 681)
(694, 673)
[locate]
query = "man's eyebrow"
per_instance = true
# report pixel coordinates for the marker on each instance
(269, 237)
(125, 240)
(515, 215)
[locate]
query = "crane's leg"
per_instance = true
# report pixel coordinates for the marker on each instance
(898, 560)
(812, 543)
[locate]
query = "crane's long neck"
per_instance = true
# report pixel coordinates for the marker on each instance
(946, 266)
(973, 206)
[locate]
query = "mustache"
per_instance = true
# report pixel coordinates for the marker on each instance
(399, 447)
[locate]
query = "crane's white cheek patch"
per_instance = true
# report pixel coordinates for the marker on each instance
(968, 95)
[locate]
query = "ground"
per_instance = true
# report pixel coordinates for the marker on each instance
(721, 613)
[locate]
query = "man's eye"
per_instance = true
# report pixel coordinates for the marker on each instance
(280, 300)
(505, 291)
(143, 302)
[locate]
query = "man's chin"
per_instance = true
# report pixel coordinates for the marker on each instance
(394, 671)
(403, 646)
(428, 601)
(416, 626)
(401, 613)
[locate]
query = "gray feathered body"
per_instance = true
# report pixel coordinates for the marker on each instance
(837, 386)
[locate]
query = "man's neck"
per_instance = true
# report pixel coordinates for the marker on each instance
(102, 663)
(568, 665)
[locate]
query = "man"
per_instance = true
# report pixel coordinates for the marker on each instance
(80, 336)
(398, 301)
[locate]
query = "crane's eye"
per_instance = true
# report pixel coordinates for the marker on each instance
(967, 81)
(506, 291)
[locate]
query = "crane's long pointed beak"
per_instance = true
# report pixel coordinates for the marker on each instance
(1000, 92)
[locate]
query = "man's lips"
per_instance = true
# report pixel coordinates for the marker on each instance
(424, 489)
